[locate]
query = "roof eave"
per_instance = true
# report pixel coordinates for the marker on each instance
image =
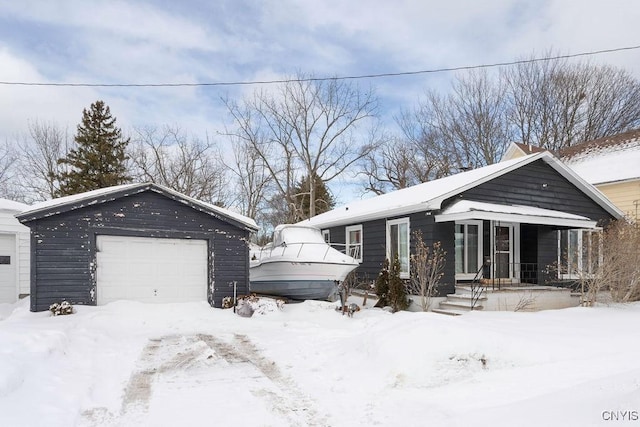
(518, 218)
(33, 215)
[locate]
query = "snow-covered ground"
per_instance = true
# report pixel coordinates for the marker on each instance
(188, 364)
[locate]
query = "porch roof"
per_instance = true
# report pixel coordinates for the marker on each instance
(470, 209)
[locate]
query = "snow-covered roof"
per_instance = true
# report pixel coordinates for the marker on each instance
(613, 164)
(49, 207)
(606, 160)
(430, 195)
(7, 205)
(470, 209)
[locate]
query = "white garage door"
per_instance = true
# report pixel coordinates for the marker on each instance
(151, 270)
(8, 260)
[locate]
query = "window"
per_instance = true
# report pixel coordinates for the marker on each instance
(5, 259)
(468, 248)
(326, 235)
(354, 241)
(579, 253)
(398, 244)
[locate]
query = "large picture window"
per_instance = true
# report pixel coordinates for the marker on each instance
(398, 244)
(468, 248)
(354, 241)
(579, 253)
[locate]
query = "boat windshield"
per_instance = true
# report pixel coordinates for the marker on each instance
(297, 234)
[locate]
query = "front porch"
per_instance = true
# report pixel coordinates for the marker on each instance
(512, 297)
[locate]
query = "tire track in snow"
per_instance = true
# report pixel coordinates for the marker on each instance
(171, 358)
(288, 399)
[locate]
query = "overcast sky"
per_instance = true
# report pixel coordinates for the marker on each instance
(203, 41)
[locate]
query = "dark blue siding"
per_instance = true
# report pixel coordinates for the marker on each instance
(63, 245)
(374, 240)
(536, 184)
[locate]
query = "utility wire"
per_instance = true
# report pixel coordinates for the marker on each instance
(313, 79)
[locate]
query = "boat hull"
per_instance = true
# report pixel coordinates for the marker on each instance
(296, 289)
(298, 280)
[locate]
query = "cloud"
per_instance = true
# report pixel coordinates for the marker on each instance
(202, 41)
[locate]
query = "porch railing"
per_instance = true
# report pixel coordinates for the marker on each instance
(524, 273)
(476, 287)
(513, 274)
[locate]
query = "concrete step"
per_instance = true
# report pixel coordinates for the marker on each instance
(465, 297)
(448, 312)
(459, 305)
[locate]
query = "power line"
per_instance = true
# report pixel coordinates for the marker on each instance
(311, 79)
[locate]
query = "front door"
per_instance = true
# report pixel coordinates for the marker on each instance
(503, 244)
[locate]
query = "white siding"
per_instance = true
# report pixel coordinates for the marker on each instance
(9, 225)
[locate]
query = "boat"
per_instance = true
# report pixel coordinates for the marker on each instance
(298, 264)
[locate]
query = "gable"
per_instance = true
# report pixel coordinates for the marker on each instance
(499, 177)
(539, 185)
(99, 197)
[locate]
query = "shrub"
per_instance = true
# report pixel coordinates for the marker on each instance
(61, 308)
(397, 290)
(382, 285)
(427, 267)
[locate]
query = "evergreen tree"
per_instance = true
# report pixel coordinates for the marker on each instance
(382, 285)
(397, 291)
(323, 199)
(99, 159)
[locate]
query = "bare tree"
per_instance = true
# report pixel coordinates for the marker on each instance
(471, 121)
(251, 177)
(389, 167)
(38, 156)
(617, 269)
(7, 171)
(555, 104)
(306, 127)
(443, 135)
(427, 268)
(167, 156)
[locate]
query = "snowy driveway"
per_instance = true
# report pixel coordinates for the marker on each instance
(190, 377)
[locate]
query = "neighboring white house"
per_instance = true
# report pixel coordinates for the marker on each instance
(14, 253)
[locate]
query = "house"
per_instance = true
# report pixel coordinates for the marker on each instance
(611, 164)
(14, 253)
(142, 242)
(514, 214)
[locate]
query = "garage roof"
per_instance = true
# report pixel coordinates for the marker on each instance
(77, 201)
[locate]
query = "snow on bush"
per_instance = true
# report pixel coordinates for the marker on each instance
(61, 308)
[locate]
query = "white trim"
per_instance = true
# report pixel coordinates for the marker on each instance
(514, 248)
(479, 224)
(514, 218)
(469, 210)
(326, 235)
(348, 244)
(405, 220)
(576, 272)
(430, 195)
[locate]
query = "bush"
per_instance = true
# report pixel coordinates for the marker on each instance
(382, 285)
(427, 268)
(398, 299)
(61, 308)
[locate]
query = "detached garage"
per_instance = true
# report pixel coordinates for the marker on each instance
(14, 253)
(141, 242)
